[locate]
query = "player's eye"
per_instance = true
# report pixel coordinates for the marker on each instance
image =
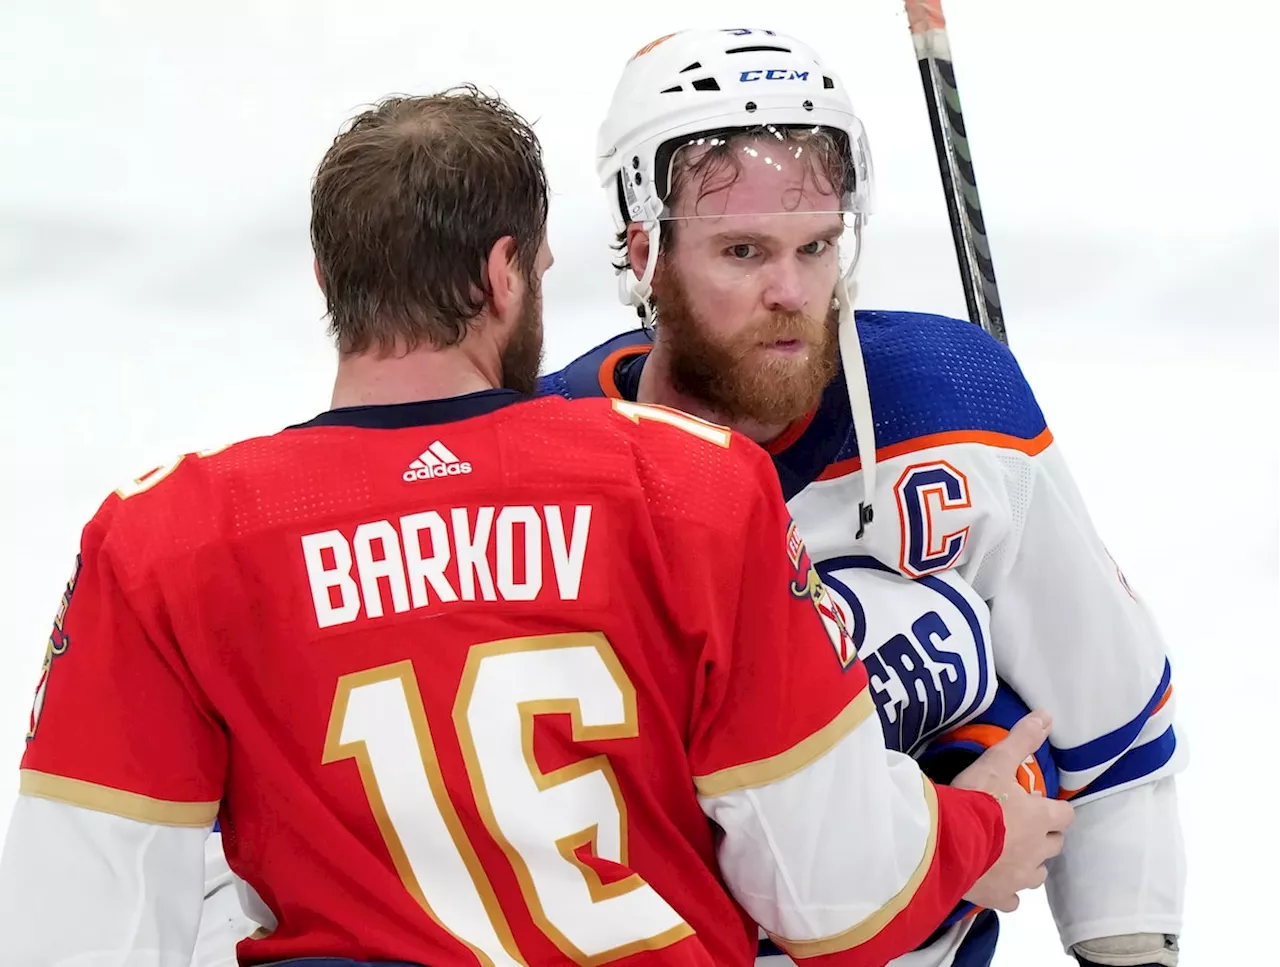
(743, 250)
(816, 247)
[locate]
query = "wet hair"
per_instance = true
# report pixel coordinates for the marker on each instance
(406, 207)
(826, 157)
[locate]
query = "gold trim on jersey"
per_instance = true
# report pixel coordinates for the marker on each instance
(762, 772)
(105, 799)
(598, 890)
(335, 751)
(629, 727)
(871, 925)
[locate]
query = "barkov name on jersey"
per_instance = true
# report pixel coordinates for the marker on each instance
(446, 556)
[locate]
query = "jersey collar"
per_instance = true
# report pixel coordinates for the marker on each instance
(398, 416)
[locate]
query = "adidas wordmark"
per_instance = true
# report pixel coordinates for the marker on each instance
(436, 460)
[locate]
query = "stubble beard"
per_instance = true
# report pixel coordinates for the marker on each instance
(522, 355)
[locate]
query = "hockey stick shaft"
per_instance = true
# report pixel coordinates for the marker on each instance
(955, 164)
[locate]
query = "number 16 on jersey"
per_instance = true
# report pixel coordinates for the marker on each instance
(539, 819)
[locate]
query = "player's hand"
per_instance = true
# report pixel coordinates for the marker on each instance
(1033, 825)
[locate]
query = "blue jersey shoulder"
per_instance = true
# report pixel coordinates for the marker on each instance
(927, 375)
(601, 371)
(930, 374)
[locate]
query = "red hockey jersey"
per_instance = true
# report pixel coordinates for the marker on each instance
(464, 680)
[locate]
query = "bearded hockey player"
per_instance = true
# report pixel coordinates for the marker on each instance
(914, 457)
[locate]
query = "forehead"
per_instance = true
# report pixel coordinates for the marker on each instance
(755, 177)
(764, 204)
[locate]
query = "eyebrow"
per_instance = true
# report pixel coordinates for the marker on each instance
(744, 235)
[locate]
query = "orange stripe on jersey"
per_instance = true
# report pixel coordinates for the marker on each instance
(871, 925)
(1004, 441)
(1164, 700)
(104, 799)
(764, 771)
(792, 433)
(607, 382)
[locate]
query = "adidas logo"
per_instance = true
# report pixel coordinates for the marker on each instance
(436, 460)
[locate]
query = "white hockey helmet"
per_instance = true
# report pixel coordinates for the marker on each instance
(709, 82)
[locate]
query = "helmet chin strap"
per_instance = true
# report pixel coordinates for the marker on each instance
(646, 209)
(855, 379)
(635, 291)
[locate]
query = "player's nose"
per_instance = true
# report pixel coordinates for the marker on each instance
(785, 290)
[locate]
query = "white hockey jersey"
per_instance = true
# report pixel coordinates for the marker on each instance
(979, 590)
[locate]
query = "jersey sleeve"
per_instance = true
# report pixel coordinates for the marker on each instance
(81, 886)
(118, 724)
(231, 912)
(835, 845)
(1072, 636)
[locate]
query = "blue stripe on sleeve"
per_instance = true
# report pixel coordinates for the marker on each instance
(1095, 752)
(1136, 763)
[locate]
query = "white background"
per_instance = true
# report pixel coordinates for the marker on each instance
(156, 293)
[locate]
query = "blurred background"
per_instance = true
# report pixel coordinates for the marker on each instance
(156, 292)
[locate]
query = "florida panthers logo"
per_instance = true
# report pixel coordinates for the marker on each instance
(58, 643)
(808, 584)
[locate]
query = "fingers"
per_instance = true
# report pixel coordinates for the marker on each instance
(1026, 736)
(1054, 843)
(1008, 904)
(1060, 815)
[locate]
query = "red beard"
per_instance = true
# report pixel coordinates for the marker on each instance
(737, 379)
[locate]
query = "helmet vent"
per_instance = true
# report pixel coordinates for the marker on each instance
(672, 90)
(692, 67)
(706, 84)
(827, 83)
(758, 47)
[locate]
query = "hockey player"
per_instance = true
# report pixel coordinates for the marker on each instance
(916, 462)
(456, 668)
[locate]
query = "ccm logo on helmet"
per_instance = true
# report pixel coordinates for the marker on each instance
(776, 74)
